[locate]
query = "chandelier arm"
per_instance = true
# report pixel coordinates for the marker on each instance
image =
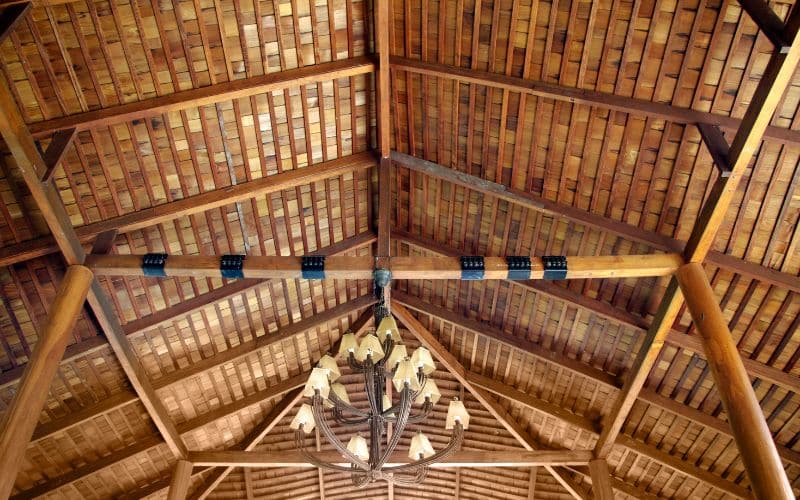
(427, 407)
(455, 442)
(359, 477)
(339, 418)
(343, 405)
(408, 479)
(299, 437)
(369, 385)
(322, 422)
(354, 364)
(402, 420)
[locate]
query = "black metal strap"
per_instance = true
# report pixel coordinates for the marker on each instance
(519, 268)
(472, 268)
(153, 264)
(230, 266)
(555, 267)
(313, 267)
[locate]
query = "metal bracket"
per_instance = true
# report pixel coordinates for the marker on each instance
(313, 267)
(153, 264)
(555, 267)
(519, 268)
(230, 266)
(472, 268)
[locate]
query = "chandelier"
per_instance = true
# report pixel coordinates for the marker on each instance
(380, 357)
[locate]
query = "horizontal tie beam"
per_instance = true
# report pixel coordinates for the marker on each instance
(464, 458)
(362, 267)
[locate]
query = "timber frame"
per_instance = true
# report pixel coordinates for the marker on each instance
(679, 260)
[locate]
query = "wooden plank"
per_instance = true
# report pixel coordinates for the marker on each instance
(19, 420)
(104, 242)
(56, 150)
(384, 208)
(361, 267)
(11, 16)
(717, 146)
(768, 22)
(194, 204)
(637, 107)
(248, 484)
(181, 478)
(462, 458)
(460, 373)
(198, 97)
(560, 210)
(750, 430)
(601, 480)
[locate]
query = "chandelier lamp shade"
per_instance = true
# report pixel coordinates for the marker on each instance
(379, 358)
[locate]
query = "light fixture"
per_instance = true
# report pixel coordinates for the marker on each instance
(388, 327)
(368, 455)
(327, 362)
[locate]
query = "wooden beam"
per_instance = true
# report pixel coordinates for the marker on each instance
(462, 458)
(10, 16)
(450, 363)
(384, 91)
(601, 479)
(248, 484)
(569, 212)
(194, 204)
(755, 123)
(56, 150)
(181, 478)
(717, 146)
(750, 430)
(605, 310)
(768, 22)
(281, 80)
(637, 107)
(361, 267)
(19, 420)
(640, 369)
(754, 126)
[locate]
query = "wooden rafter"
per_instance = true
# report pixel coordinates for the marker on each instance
(211, 94)
(571, 213)
(361, 267)
(460, 373)
(10, 16)
(747, 140)
(194, 204)
(586, 97)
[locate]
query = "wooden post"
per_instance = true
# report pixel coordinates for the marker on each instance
(753, 438)
(601, 479)
(181, 478)
(23, 414)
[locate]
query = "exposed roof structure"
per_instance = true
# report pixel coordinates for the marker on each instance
(516, 127)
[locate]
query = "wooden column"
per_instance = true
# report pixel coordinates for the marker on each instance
(179, 486)
(23, 414)
(753, 438)
(601, 479)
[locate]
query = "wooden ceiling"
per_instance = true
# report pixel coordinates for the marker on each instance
(518, 127)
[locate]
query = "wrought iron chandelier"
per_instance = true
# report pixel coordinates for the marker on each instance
(380, 357)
